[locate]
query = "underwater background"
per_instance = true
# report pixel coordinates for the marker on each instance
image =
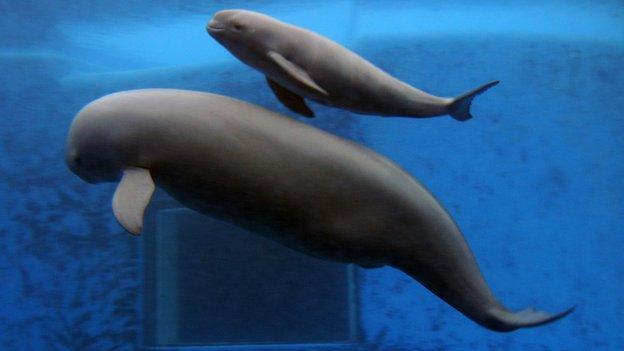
(535, 181)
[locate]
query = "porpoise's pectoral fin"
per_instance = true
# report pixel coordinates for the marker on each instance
(291, 100)
(131, 198)
(295, 72)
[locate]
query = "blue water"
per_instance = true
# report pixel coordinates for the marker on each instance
(535, 180)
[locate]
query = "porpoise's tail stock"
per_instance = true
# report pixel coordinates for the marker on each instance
(461, 285)
(460, 106)
(502, 320)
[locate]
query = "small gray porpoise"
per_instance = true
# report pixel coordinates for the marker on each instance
(307, 189)
(301, 64)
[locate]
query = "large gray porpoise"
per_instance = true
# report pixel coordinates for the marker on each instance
(307, 189)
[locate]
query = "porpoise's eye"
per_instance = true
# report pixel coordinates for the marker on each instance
(238, 27)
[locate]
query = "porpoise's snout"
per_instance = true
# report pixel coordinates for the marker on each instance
(226, 20)
(218, 22)
(74, 163)
(214, 25)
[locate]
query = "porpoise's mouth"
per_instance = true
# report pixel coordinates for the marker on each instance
(214, 26)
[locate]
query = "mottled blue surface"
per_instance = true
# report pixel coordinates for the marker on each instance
(535, 180)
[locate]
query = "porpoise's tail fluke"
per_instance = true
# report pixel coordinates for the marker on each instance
(502, 320)
(460, 106)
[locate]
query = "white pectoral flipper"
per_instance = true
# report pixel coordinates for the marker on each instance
(132, 196)
(295, 72)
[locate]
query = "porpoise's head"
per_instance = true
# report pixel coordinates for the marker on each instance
(105, 144)
(244, 33)
(97, 145)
